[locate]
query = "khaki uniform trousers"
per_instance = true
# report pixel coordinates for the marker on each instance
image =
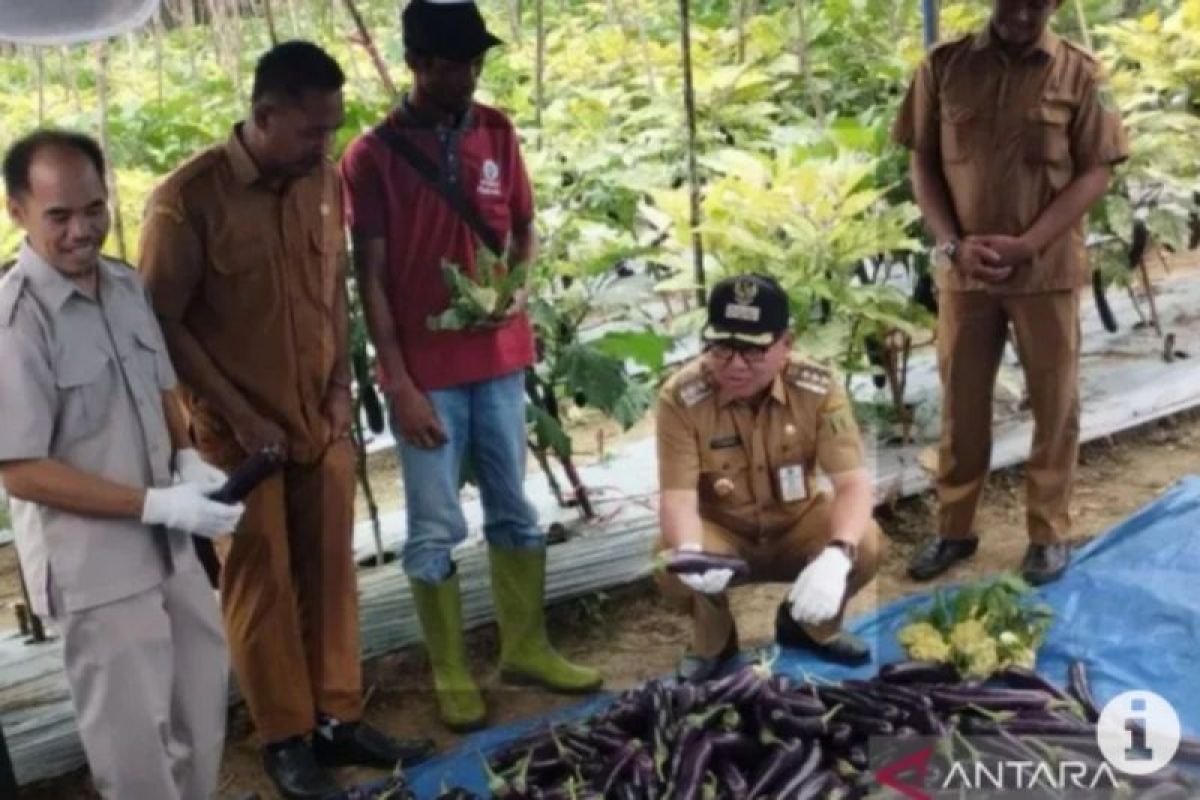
(972, 330)
(290, 597)
(778, 558)
(149, 679)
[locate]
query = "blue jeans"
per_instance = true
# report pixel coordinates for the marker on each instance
(489, 418)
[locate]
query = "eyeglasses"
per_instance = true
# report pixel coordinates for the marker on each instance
(752, 354)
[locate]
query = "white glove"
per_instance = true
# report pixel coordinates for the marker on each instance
(190, 467)
(713, 581)
(818, 592)
(183, 507)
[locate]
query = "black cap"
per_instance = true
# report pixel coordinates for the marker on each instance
(750, 309)
(452, 30)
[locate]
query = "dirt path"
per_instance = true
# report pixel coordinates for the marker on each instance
(631, 637)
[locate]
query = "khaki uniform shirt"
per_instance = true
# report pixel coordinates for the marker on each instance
(252, 269)
(82, 384)
(754, 466)
(1012, 134)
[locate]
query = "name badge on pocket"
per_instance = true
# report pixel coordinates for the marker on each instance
(791, 483)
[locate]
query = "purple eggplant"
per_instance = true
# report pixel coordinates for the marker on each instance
(786, 726)
(691, 563)
(907, 672)
(247, 476)
(864, 725)
(806, 770)
(619, 765)
(990, 699)
(783, 760)
(1023, 678)
(732, 781)
(693, 763)
(840, 734)
(1080, 688)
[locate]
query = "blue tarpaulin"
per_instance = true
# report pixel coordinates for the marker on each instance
(1129, 607)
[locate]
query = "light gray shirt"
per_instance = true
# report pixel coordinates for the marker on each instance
(81, 382)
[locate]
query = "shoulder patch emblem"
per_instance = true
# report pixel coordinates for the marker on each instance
(691, 392)
(809, 377)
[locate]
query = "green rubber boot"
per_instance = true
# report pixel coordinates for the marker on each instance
(439, 607)
(526, 655)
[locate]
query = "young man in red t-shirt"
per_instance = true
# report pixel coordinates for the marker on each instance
(454, 392)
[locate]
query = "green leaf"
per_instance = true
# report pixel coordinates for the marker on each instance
(645, 347)
(605, 383)
(548, 434)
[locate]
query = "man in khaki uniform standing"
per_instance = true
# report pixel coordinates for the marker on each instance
(105, 489)
(1012, 141)
(741, 431)
(244, 254)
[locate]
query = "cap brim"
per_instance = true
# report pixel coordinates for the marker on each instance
(474, 51)
(711, 334)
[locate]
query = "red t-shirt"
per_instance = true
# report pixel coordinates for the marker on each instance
(385, 197)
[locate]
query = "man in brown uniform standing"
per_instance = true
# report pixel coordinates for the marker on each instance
(1012, 142)
(243, 252)
(741, 431)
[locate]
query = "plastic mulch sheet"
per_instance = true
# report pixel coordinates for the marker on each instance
(1129, 607)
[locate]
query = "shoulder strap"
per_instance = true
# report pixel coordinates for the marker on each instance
(450, 191)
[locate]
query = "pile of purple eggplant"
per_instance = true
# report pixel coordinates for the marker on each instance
(753, 735)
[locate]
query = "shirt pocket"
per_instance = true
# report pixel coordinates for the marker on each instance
(328, 246)
(240, 279)
(725, 480)
(148, 357)
(960, 131)
(1047, 137)
(86, 383)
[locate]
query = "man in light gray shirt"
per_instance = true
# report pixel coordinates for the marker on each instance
(105, 490)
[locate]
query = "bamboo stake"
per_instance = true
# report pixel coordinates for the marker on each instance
(40, 60)
(689, 103)
(741, 31)
(111, 176)
(367, 43)
(1084, 30)
(540, 84)
(158, 53)
(270, 15)
(805, 66)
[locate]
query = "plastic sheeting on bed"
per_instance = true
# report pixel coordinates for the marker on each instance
(1129, 607)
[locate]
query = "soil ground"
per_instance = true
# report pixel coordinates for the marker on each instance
(632, 637)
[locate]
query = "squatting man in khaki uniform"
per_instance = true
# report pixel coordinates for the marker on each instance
(1013, 141)
(741, 431)
(105, 488)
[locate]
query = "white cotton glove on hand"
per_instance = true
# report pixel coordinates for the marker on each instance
(190, 467)
(184, 507)
(714, 581)
(818, 592)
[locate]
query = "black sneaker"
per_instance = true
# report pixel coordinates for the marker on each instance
(294, 770)
(1045, 563)
(357, 743)
(844, 648)
(939, 555)
(699, 669)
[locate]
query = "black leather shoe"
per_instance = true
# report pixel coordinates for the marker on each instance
(939, 555)
(295, 772)
(844, 648)
(698, 669)
(358, 743)
(1045, 563)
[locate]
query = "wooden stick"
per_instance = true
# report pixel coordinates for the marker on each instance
(270, 15)
(367, 43)
(539, 96)
(689, 103)
(111, 177)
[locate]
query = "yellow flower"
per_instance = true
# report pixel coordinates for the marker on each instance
(917, 631)
(967, 634)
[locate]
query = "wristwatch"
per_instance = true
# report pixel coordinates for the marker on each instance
(849, 549)
(948, 249)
